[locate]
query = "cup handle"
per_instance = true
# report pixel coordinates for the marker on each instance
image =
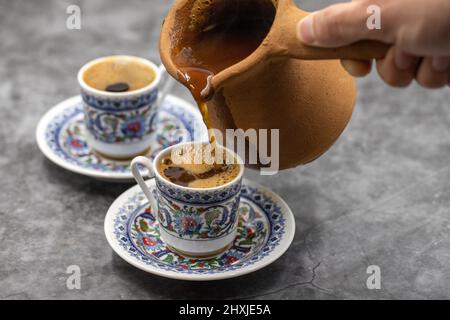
(147, 163)
(167, 85)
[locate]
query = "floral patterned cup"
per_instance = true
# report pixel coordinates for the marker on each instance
(194, 222)
(119, 123)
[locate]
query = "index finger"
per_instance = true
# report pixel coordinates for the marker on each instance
(342, 24)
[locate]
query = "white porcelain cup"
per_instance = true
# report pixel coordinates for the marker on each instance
(195, 222)
(119, 124)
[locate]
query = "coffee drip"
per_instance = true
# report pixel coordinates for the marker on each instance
(219, 35)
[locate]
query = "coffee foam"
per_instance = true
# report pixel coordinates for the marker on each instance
(200, 14)
(198, 160)
(202, 156)
(217, 180)
(119, 70)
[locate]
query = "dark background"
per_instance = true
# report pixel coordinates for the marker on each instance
(380, 196)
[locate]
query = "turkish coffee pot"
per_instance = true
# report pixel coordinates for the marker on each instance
(283, 84)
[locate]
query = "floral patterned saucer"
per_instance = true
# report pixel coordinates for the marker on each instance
(61, 137)
(265, 231)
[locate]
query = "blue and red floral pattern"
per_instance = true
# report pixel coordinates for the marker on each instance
(198, 222)
(119, 120)
(193, 214)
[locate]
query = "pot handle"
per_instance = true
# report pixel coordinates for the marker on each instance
(294, 48)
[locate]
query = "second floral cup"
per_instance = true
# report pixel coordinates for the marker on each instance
(120, 95)
(195, 222)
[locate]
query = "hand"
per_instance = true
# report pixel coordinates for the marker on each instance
(418, 30)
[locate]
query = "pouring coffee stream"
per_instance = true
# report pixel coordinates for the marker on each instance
(241, 60)
(216, 38)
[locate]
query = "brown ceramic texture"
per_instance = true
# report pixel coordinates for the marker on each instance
(310, 102)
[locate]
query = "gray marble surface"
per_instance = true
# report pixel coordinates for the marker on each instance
(380, 196)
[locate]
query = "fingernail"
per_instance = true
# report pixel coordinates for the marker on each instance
(440, 64)
(305, 30)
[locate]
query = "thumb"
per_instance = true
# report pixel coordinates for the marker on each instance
(338, 25)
